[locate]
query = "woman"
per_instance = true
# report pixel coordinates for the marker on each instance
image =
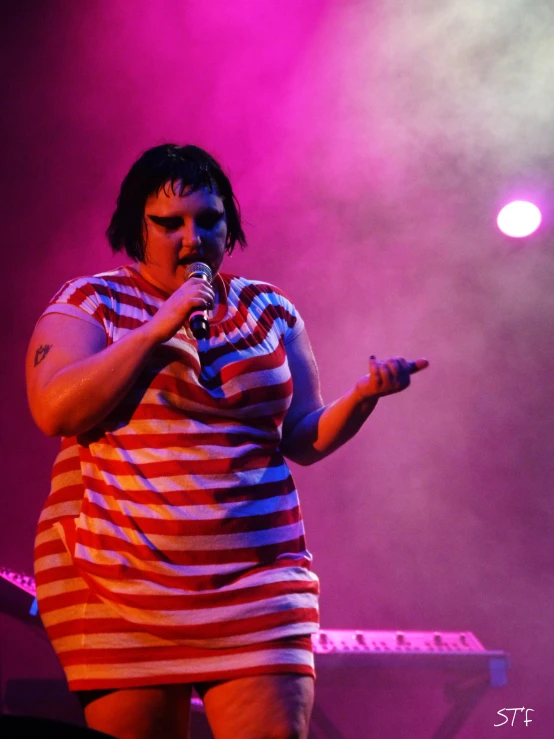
(170, 552)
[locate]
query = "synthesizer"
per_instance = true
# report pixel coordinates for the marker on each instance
(409, 648)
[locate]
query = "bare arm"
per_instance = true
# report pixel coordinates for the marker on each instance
(74, 380)
(312, 430)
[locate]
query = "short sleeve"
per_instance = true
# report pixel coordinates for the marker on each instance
(293, 324)
(86, 298)
(280, 311)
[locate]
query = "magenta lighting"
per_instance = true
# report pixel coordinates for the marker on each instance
(519, 219)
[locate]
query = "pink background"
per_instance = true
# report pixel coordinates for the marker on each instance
(371, 145)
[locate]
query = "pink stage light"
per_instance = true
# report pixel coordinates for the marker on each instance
(519, 219)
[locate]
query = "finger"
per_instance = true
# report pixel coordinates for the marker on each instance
(200, 301)
(403, 372)
(203, 302)
(195, 282)
(398, 367)
(390, 371)
(417, 365)
(207, 294)
(373, 364)
(375, 372)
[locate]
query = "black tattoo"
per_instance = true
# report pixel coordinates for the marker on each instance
(41, 353)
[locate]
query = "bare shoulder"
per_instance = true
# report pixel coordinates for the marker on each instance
(58, 341)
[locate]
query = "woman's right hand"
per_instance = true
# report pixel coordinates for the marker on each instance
(74, 379)
(194, 294)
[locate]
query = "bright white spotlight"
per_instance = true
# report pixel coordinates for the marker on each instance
(519, 219)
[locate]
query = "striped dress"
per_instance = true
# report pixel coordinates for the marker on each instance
(171, 547)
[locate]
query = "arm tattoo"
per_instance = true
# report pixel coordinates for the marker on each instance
(41, 353)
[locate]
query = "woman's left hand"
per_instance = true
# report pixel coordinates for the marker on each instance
(388, 376)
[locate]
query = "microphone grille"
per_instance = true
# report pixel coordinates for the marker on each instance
(198, 269)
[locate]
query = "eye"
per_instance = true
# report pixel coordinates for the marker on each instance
(209, 219)
(170, 224)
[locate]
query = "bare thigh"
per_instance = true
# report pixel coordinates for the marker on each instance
(260, 707)
(157, 712)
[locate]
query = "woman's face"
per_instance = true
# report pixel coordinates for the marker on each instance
(181, 229)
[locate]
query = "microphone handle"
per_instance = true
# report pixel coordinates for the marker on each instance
(198, 324)
(198, 319)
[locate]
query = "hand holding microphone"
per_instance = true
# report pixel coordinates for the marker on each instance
(193, 298)
(198, 319)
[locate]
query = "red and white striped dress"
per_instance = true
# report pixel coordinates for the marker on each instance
(171, 547)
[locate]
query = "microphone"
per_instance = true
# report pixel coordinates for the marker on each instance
(198, 319)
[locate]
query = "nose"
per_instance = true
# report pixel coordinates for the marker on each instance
(191, 235)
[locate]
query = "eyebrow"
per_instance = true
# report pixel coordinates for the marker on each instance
(209, 210)
(163, 219)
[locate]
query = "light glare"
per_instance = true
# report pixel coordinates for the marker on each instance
(519, 219)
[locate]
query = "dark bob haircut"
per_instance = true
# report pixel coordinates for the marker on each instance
(180, 167)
